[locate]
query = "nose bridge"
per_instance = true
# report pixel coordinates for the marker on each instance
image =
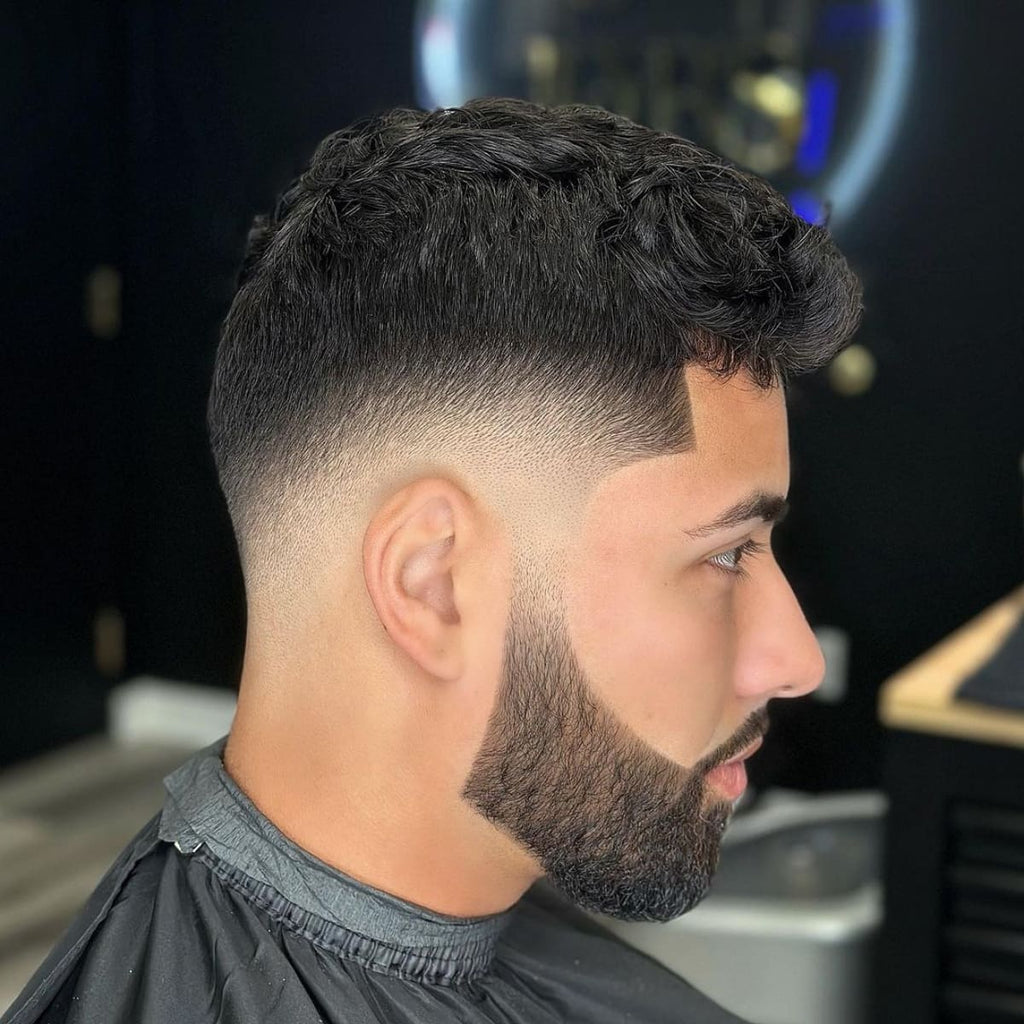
(783, 658)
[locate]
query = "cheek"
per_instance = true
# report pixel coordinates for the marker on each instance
(660, 655)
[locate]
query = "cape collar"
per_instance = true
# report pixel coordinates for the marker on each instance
(206, 812)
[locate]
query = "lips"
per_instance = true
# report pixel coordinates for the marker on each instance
(730, 778)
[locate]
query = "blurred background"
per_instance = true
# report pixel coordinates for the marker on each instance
(139, 140)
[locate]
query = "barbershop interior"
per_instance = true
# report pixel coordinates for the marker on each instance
(873, 867)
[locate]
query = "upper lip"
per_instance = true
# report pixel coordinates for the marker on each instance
(747, 752)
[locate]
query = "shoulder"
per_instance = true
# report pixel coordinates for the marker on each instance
(165, 939)
(128, 885)
(62, 964)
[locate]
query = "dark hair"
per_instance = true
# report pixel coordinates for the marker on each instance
(498, 261)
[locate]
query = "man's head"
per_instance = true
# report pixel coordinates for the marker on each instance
(489, 375)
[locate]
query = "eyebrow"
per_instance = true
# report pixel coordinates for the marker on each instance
(772, 508)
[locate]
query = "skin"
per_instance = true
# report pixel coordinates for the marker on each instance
(449, 721)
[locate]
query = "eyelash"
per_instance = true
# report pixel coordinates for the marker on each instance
(750, 547)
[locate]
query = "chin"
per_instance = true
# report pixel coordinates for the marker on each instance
(657, 907)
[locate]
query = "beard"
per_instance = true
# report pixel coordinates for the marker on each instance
(617, 827)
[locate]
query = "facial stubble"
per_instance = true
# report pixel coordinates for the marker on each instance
(617, 827)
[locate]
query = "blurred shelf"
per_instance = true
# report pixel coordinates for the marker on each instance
(922, 696)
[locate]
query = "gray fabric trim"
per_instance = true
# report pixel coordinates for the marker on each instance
(205, 808)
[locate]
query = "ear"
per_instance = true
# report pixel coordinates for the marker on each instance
(410, 549)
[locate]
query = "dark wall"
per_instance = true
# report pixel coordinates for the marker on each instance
(907, 501)
(147, 135)
(60, 83)
(228, 102)
(143, 136)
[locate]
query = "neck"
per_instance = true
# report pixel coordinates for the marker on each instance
(372, 794)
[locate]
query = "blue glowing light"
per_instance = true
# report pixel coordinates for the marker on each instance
(448, 78)
(439, 62)
(441, 49)
(844, 21)
(822, 93)
(807, 206)
(867, 150)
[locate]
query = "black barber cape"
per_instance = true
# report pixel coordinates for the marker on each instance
(212, 915)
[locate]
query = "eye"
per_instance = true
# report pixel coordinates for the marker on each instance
(729, 561)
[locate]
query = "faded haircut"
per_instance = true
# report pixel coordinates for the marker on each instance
(520, 273)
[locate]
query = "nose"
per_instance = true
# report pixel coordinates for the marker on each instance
(778, 654)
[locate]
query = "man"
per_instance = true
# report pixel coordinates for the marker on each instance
(499, 415)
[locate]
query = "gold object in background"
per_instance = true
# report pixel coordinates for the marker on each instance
(852, 372)
(542, 68)
(108, 641)
(761, 120)
(103, 301)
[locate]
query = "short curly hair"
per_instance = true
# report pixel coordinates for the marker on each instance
(498, 263)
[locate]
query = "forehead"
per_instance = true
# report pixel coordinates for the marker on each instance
(740, 428)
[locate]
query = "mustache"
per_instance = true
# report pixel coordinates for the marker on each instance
(752, 729)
